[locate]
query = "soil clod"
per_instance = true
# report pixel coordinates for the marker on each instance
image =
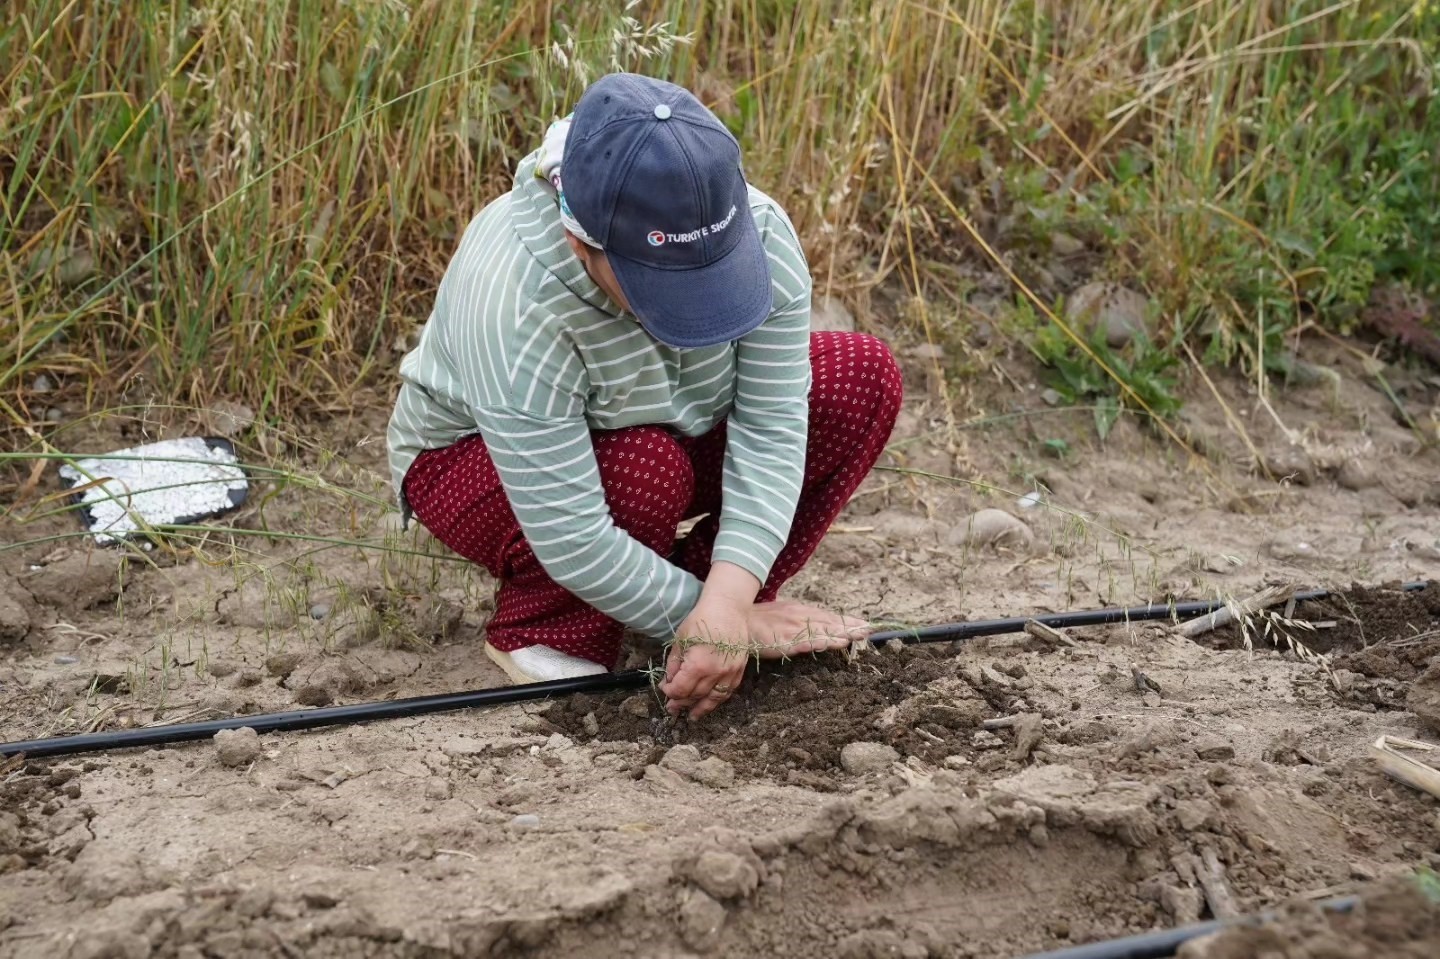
(237, 747)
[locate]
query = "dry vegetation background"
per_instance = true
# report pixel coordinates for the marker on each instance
(252, 201)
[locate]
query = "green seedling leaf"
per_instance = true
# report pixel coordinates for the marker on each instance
(1107, 411)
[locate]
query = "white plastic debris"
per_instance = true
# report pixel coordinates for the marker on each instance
(1030, 499)
(173, 482)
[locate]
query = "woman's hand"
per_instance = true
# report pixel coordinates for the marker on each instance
(712, 645)
(726, 627)
(707, 659)
(789, 628)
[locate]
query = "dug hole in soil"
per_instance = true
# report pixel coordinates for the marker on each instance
(985, 799)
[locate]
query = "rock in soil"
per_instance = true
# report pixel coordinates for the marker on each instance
(237, 747)
(991, 527)
(861, 759)
(1355, 474)
(701, 919)
(16, 609)
(724, 875)
(1290, 463)
(1213, 749)
(1121, 312)
(1424, 698)
(78, 581)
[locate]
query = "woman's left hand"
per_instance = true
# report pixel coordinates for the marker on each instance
(707, 660)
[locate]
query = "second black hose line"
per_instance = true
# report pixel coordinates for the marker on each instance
(609, 682)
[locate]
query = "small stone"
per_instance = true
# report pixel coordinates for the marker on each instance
(438, 789)
(237, 747)
(1364, 872)
(16, 608)
(230, 418)
(591, 724)
(1151, 700)
(282, 664)
(665, 780)
(1122, 313)
(991, 527)
(319, 611)
(418, 849)
(42, 384)
(1345, 679)
(221, 668)
(956, 762)
(319, 899)
(526, 820)
(456, 748)
(1193, 814)
(681, 759)
(66, 660)
(54, 415)
(1290, 464)
(1029, 731)
(1050, 397)
(1423, 698)
(1063, 244)
(1183, 903)
(313, 696)
(637, 706)
(1213, 749)
(985, 739)
(76, 267)
(1357, 475)
(861, 759)
(701, 919)
(715, 773)
(246, 678)
(724, 875)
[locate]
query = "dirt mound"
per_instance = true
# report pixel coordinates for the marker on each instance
(792, 721)
(1397, 919)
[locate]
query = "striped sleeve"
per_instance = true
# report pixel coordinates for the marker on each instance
(548, 468)
(765, 451)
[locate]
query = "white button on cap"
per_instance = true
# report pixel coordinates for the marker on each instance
(662, 112)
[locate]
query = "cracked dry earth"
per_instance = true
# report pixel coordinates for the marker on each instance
(857, 808)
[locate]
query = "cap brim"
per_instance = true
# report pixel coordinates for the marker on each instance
(703, 306)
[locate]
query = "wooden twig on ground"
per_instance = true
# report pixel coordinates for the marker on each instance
(1211, 874)
(1267, 597)
(1049, 634)
(1407, 769)
(1144, 683)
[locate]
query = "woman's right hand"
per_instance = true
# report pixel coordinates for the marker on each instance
(786, 627)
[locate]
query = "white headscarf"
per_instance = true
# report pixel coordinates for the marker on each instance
(552, 151)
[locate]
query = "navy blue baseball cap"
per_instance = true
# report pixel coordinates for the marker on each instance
(655, 179)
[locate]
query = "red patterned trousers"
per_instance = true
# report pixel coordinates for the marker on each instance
(653, 480)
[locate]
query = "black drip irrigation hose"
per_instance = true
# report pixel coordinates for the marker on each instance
(1165, 943)
(610, 682)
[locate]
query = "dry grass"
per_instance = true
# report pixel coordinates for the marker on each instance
(255, 200)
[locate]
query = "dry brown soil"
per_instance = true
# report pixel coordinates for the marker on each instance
(594, 826)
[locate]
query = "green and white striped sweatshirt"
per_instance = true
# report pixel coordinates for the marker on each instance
(524, 348)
